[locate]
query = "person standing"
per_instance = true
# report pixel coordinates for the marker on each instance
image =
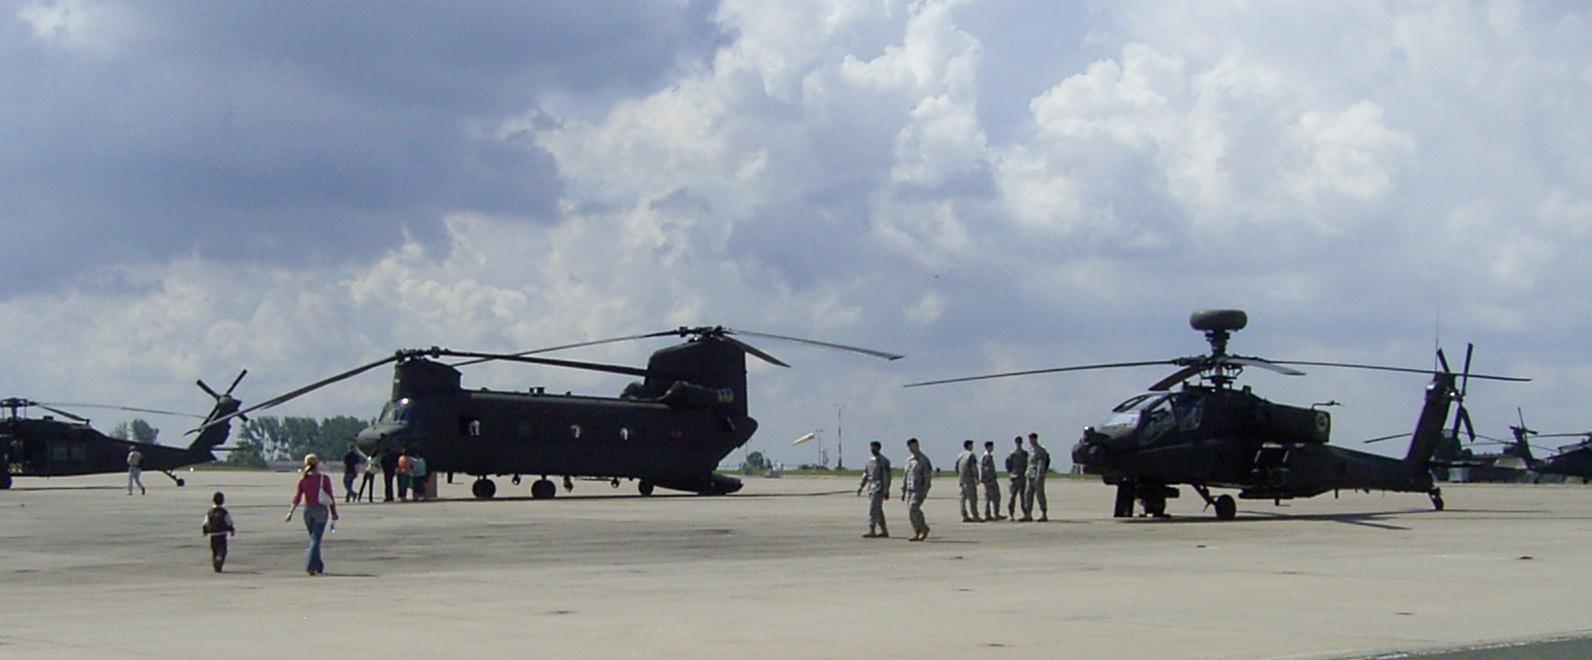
(406, 468)
(389, 470)
(1017, 471)
(916, 480)
(315, 492)
(369, 481)
(1038, 467)
(992, 487)
(218, 525)
(351, 462)
(135, 471)
(967, 481)
(876, 478)
(417, 476)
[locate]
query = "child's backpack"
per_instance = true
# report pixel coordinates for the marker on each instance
(216, 521)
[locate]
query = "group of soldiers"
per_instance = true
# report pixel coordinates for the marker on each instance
(1026, 469)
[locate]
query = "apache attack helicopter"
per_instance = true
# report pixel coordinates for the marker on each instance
(668, 430)
(50, 447)
(1212, 435)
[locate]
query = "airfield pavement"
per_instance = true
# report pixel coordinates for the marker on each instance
(779, 570)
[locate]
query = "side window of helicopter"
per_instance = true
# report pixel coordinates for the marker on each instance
(79, 451)
(525, 430)
(58, 451)
(1186, 410)
(574, 431)
(470, 427)
(624, 433)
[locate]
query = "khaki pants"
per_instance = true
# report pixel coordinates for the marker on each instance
(876, 513)
(969, 501)
(992, 499)
(920, 526)
(1035, 491)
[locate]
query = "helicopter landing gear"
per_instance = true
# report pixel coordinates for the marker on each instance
(5, 480)
(173, 477)
(1154, 504)
(543, 489)
(515, 480)
(614, 483)
(483, 488)
(1437, 498)
(1226, 508)
(645, 488)
(1124, 504)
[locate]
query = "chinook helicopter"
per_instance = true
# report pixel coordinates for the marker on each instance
(1209, 434)
(668, 430)
(50, 447)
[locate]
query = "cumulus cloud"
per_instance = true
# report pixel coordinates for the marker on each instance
(935, 178)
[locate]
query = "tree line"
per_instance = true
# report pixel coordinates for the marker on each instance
(290, 438)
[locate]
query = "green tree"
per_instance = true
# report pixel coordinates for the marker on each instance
(334, 435)
(137, 430)
(755, 463)
(248, 453)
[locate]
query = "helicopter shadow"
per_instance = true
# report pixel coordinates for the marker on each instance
(40, 489)
(637, 496)
(1367, 519)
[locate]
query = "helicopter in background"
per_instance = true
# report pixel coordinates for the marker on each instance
(50, 447)
(1210, 434)
(668, 430)
(1572, 460)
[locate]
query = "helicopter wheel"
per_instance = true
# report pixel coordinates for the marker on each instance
(483, 488)
(181, 483)
(1226, 508)
(1437, 500)
(645, 488)
(542, 489)
(5, 481)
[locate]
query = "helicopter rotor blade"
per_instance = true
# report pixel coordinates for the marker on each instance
(207, 389)
(1386, 437)
(572, 364)
(1262, 363)
(1177, 377)
(1564, 435)
(1086, 367)
(753, 350)
(1464, 375)
(813, 342)
(235, 381)
(63, 413)
(151, 411)
(1378, 367)
(595, 342)
(284, 398)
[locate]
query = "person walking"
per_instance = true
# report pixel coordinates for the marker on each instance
(218, 526)
(389, 470)
(992, 487)
(916, 480)
(315, 492)
(351, 462)
(876, 478)
(1038, 467)
(369, 481)
(135, 471)
(967, 481)
(1017, 471)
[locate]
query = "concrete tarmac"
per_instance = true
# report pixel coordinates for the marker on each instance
(780, 570)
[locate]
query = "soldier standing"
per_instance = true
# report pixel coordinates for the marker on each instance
(992, 488)
(1038, 466)
(135, 471)
(915, 483)
(1017, 470)
(967, 480)
(876, 478)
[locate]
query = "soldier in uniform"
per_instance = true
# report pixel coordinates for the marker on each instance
(915, 483)
(876, 478)
(1038, 466)
(967, 480)
(1017, 471)
(992, 488)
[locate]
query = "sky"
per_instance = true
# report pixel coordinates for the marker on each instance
(188, 189)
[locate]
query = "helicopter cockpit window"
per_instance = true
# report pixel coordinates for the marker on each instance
(1130, 412)
(395, 411)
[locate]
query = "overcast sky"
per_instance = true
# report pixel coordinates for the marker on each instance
(191, 188)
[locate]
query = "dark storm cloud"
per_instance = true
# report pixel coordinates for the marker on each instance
(290, 132)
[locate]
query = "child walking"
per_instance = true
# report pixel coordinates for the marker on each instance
(218, 525)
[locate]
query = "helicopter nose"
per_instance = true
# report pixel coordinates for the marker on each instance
(1091, 450)
(378, 436)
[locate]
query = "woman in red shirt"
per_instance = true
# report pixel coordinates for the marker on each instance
(315, 491)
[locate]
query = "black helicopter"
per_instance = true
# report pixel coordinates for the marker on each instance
(668, 430)
(50, 447)
(1212, 435)
(1573, 460)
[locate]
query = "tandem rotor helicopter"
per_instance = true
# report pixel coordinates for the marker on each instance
(49, 447)
(1209, 434)
(668, 430)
